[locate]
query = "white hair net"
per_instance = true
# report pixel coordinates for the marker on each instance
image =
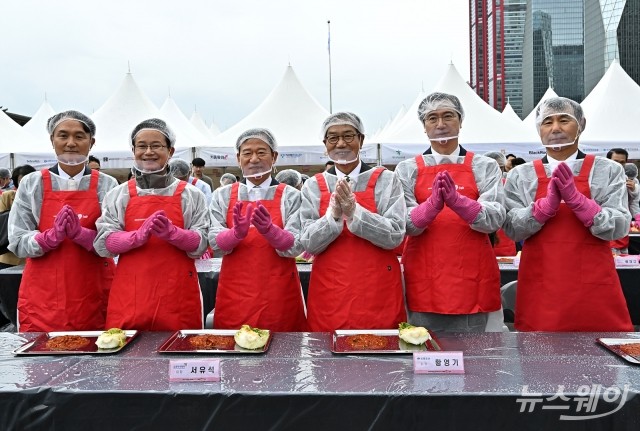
(154, 124)
(560, 106)
(179, 168)
(290, 177)
(263, 134)
(227, 179)
(342, 118)
(435, 101)
(498, 157)
(54, 121)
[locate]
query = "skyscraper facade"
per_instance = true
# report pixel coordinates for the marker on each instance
(519, 48)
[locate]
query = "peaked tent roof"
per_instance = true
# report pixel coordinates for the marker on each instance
(37, 126)
(187, 136)
(391, 126)
(197, 122)
(214, 129)
(289, 111)
(614, 100)
(117, 117)
(510, 114)
(482, 123)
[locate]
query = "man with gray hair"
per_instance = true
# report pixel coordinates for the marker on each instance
(181, 170)
(259, 283)
(454, 200)
(567, 207)
(5, 179)
(290, 177)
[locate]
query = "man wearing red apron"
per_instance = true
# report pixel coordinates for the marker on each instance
(454, 200)
(255, 225)
(620, 155)
(567, 207)
(65, 284)
(352, 219)
(502, 244)
(158, 226)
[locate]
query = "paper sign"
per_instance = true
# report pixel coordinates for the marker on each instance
(626, 260)
(201, 370)
(438, 363)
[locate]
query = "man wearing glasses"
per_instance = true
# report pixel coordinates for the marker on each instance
(353, 216)
(454, 199)
(158, 225)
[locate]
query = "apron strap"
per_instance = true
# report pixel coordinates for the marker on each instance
(95, 175)
(324, 194)
(46, 180)
(587, 165)
(180, 188)
(468, 159)
(133, 191)
(420, 161)
(539, 167)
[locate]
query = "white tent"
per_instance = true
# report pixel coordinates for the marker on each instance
(12, 137)
(510, 114)
(483, 128)
(198, 123)
(612, 112)
(37, 126)
(295, 119)
(214, 129)
(187, 136)
(390, 126)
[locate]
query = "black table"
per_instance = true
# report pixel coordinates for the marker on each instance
(299, 384)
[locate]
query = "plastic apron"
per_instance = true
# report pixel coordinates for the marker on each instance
(156, 285)
(354, 283)
(450, 268)
(567, 279)
(505, 245)
(66, 289)
(256, 286)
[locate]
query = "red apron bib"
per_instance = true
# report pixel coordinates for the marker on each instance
(258, 287)
(505, 245)
(450, 268)
(156, 285)
(567, 279)
(67, 288)
(354, 283)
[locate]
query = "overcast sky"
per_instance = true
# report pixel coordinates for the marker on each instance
(224, 57)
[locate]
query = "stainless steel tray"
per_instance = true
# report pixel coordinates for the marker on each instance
(179, 342)
(394, 344)
(613, 344)
(38, 346)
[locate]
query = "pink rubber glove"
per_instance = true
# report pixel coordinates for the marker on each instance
(585, 209)
(75, 232)
(123, 241)
(424, 214)
(547, 207)
(277, 237)
(184, 239)
(53, 237)
(229, 239)
(467, 209)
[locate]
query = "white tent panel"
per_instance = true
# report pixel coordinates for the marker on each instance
(197, 122)
(291, 114)
(37, 127)
(612, 112)
(116, 119)
(187, 136)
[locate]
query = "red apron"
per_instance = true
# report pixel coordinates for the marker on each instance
(450, 268)
(354, 283)
(156, 285)
(622, 243)
(567, 280)
(66, 289)
(505, 245)
(194, 181)
(257, 287)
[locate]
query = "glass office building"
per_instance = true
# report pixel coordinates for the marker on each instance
(528, 46)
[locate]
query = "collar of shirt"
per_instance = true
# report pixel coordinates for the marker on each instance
(66, 176)
(353, 174)
(447, 158)
(263, 185)
(553, 163)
